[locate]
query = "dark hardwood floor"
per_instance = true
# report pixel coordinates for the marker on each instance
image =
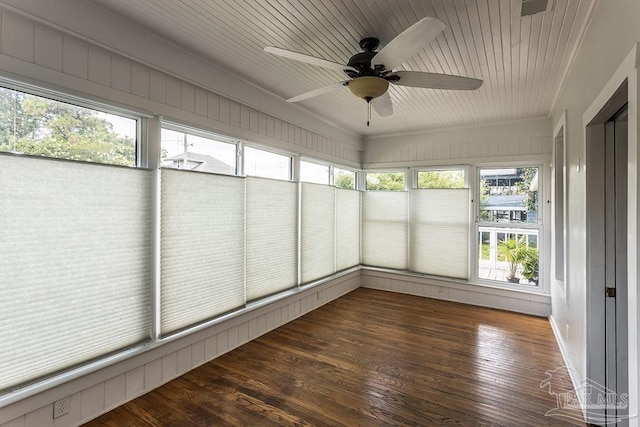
(371, 358)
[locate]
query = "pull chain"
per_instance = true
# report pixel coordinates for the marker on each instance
(368, 112)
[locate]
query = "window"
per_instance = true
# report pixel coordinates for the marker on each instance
(314, 172)
(385, 181)
(508, 225)
(439, 232)
(39, 126)
(266, 164)
(202, 247)
(343, 178)
(76, 263)
(558, 212)
(317, 231)
(440, 178)
(385, 238)
(189, 150)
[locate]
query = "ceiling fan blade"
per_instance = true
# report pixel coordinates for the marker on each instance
(408, 43)
(301, 57)
(383, 105)
(436, 81)
(317, 92)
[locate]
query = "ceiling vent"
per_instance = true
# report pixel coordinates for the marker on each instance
(531, 7)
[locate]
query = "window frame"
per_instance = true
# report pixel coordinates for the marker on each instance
(356, 174)
(404, 171)
(559, 200)
(139, 116)
(206, 134)
(509, 227)
(416, 170)
(242, 159)
(328, 165)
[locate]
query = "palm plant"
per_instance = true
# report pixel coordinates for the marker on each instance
(514, 251)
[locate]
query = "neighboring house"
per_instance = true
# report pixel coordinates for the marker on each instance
(198, 162)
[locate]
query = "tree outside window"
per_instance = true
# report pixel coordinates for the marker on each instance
(386, 181)
(39, 126)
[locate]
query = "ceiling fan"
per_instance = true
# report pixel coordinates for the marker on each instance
(370, 72)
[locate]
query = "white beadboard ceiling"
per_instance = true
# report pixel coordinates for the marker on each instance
(522, 60)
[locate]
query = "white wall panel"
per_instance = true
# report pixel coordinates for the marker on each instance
(140, 80)
(17, 37)
(526, 140)
(120, 73)
(75, 57)
(157, 86)
(174, 96)
(188, 97)
(201, 102)
(48, 48)
(213, 106)
(99, 66)
(504, 299)
(234, 114)
(225, 110)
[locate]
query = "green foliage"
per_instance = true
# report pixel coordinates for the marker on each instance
(514, 252)
(344, 181)
(530, 201)
(531, 264)
(39, 126)
(392, 181)
(441, 179)
(484, 199)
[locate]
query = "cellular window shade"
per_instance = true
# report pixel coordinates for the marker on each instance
(440, 232)
(317, 244)
(347, 228)
(75, 247)
(384, 229)
(202, 247)
(271, 236)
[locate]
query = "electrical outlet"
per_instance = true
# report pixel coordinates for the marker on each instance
(566, 331)
(60, 407)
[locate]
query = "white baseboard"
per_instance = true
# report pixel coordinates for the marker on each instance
(504, 299)
(576, 381)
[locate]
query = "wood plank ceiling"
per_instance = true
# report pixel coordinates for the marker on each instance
(522, 60)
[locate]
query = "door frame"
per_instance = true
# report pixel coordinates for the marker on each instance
(594, 314)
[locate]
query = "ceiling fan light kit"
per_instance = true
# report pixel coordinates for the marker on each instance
(368, 87)
(370, 72)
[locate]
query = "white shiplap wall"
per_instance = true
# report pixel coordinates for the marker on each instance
(516, 141)
(33, 52)
(504, 299)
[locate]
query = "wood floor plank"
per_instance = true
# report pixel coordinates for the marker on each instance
(370, 358)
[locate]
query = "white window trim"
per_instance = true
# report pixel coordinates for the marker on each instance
(207, 134)
(320, 163)
(560, 130)
(294, 159)
(541, 286)
(84, 102)
(414, 172)
(357, 174)
(408, 178)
